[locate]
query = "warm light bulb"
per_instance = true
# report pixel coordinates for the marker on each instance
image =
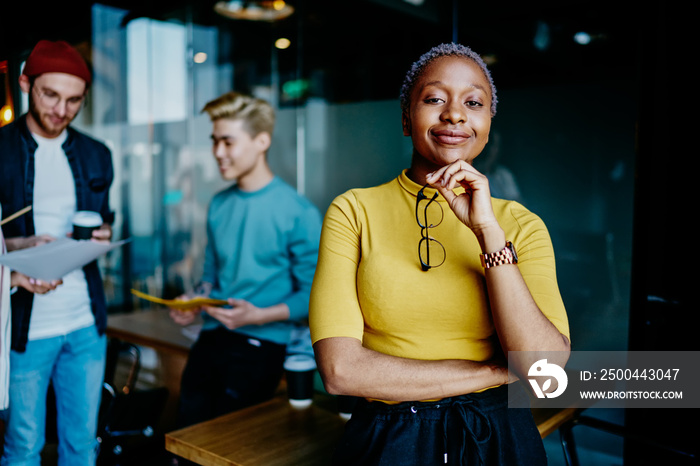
(282, 43)
(6, 114)
(200, 57)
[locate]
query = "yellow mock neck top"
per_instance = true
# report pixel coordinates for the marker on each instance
(369, 283)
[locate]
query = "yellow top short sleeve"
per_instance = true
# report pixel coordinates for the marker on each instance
(369, 284)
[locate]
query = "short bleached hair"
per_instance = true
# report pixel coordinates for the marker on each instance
(443, 50)
(257, 115)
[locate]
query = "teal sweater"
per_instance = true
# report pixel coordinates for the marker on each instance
(262, 247)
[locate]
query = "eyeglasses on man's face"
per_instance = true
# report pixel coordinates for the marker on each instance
(429, 214)
(51, 99)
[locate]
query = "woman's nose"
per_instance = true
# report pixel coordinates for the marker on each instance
(454, 113)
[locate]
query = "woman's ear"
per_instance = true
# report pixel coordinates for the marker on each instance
(406, 123)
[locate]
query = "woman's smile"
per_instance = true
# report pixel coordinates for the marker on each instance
(450, 137)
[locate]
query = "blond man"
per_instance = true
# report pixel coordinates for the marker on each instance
(261, 257)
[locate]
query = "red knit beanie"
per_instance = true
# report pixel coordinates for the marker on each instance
(56, 57)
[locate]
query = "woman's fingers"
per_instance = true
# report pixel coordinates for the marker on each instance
(458, 172)
(473, 207)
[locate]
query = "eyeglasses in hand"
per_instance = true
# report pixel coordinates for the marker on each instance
(431, 252)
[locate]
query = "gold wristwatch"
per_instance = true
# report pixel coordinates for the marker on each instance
(507, 255)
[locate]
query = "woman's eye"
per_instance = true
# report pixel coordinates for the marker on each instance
(433, 100)
(474, 103)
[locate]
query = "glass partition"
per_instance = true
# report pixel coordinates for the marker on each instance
(555, 146)
(562, 144)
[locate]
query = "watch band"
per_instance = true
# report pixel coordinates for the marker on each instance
(506, 255)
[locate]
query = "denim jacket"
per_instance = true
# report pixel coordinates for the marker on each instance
(91, 164)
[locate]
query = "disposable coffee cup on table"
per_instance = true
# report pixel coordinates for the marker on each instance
(84, 223)
(346, 404)
(299, 371)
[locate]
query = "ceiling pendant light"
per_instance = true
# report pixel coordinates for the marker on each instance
(263, 10)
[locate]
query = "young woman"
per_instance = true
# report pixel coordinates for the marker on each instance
(419, 291)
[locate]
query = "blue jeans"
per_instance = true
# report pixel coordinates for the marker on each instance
(75, 364)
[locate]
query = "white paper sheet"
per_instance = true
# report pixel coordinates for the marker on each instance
(52, 261)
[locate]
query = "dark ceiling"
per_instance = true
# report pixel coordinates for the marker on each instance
(354, 43)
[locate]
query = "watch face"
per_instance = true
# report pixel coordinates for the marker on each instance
(512, 251)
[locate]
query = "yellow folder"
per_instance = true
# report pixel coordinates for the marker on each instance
(184, 305)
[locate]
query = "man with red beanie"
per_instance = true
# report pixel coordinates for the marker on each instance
(57, 337)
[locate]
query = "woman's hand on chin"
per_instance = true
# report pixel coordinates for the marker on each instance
(473, 207)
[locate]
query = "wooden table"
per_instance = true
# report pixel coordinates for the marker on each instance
(272, 433)
(153, 328)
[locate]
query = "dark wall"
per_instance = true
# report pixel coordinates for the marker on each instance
(663, 303)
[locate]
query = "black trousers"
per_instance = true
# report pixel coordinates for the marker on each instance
(227, 371)
(474, 429)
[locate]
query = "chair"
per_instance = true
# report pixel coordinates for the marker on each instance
(129, 416)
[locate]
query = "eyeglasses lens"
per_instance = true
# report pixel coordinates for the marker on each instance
(429, 214)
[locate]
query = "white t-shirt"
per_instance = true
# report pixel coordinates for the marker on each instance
(67, 308)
